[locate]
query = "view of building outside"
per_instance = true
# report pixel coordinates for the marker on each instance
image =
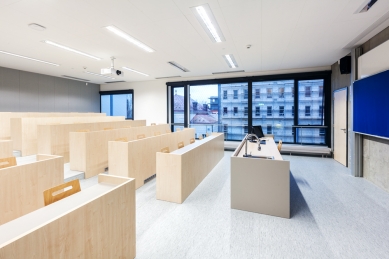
(224, 108)
(117, 105)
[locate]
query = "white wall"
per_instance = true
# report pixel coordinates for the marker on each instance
(374, 61)
(150, 97)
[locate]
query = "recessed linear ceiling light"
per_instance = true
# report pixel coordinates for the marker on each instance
(206, 18)
(227, 72)
(135, 71)
(70, 49)
(164, 77)
(37, 27)
(230, 61)
(176, 65)
(88, 72)
(33, 59)
(129, 38)
(76, 78)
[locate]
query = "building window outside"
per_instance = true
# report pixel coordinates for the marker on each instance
(293, 111)
(246, 111)
(320, 91)
(269, 111)
(235, 110)
(257, 93)
(246, 129)
(225, 94)
(225, 110)
(292, 90)
(321, 110)
(235, 94)
(281, 92)
(281, 112)
(269, 92)
(307, 91)
(269, 129)
(225, 128)
(245, 94)
(307, 110)
(322, 132)
(257, 111)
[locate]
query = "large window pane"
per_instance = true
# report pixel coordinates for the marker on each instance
(179, 105)
(273, 108)
(106, 104)
(117, 105)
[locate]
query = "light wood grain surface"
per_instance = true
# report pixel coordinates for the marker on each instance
(54, 139)
(60, 192)
(89, 150)
(181, 171)
(137, 158)
(22, 186)
(7, 162)
(5, 119)
(6, 148)
(24, 131)
(98, 222)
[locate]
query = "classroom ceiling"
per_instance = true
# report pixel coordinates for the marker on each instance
(283, 34)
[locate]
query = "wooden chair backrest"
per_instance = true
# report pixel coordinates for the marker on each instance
(192, 140)
(52, 195)
(108, 128)
(180, 145)
(279, 145)
(83, 130)
(201, 136)
(153, 124)
(140, 136)
(165, 150)
(7, 162)
(122, 139)
(157, 133)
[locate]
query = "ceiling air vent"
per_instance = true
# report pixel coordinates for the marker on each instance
(227, 72)
(76, 78)
(167, 77)
(176, 65)
(115, 82)
(366, 6)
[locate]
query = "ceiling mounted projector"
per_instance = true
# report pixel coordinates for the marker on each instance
(111, 70)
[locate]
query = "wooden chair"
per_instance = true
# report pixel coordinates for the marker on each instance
(180, 145)
(83, 130)
(192, 140)
(178, 129)
(165, 150)
(207, 135)
(140, 136)
(7, 162)
(153, 124)
(201, 137)
(58, 192)
(157, 133)
(279, 145)
(108, 128)
(122, 139)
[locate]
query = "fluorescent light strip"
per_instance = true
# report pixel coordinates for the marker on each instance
(33, 59)
(135, 71)
(231, 61)
(88, 72)
(70, 49)
(204, 16)
(127, 37)
(176, 65)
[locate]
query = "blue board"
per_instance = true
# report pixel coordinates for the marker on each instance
(371, 105)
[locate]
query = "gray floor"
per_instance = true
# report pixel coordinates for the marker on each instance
(334, 215)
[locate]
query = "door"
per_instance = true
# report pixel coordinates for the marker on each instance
(340, 126)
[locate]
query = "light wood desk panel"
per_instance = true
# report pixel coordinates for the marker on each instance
(89, 150)
(24, 131)
(137, 159)
(181, 171)
(5, 119)
(6, 148)
(22, 186)
(54, 139)
(260, 185)
(98, 222)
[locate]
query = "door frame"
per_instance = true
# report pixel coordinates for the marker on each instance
(347, 89)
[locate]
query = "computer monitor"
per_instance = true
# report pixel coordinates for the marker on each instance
(257, 130)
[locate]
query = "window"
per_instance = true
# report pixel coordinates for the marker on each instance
(269, 92)
(322, 132)
(307, 91)
(257, 111)
(307, 110)
(269, 111)
(118, 103)
(245, 129)
(245, 94)
(320, 91)
(225, 110)
(269, 129)
(235, 94)
(293, 111)
(235, 110)
(224, 94)
(320, 110)
(257, 93)
(281, 92)
(246, 111)
(292, 91)
(281, 113)
(225, 128)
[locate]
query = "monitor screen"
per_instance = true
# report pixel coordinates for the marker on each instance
(257, 130)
